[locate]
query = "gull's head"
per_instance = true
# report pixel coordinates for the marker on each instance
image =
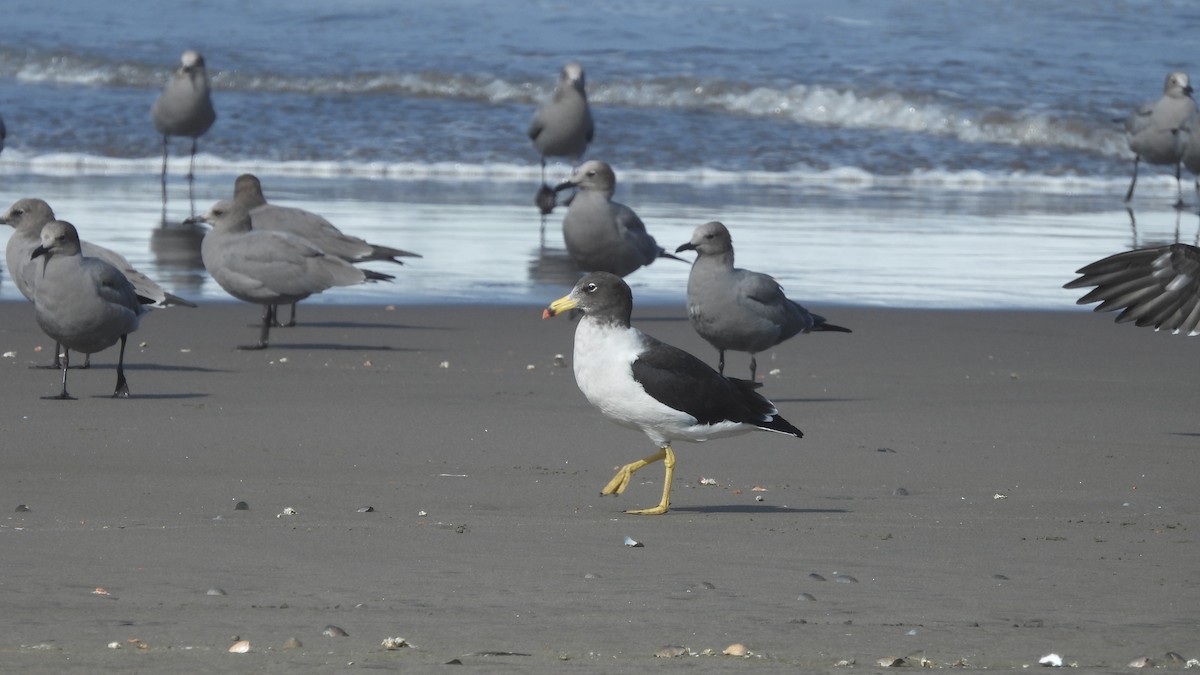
(591, 175)
(247, 189)
(225, 216)
(1177, 84)
(599, 294)
(191, 60)
(28, 213)
(572, 75)
(58, 238)
(708, 239)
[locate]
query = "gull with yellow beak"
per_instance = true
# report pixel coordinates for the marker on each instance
(643, 383)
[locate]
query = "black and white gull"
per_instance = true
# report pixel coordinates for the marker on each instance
(738, 309)
(642, 383)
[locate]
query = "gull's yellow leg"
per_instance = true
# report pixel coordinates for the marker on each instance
(621, 481)
(669, 463)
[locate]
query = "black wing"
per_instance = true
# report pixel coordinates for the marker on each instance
(683, 382)
(1157, 287)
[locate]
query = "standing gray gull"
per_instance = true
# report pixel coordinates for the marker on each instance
(268, 267)
(738, 309)
(247, 191)
(562, 127)
(85, 304)
(1187, 143)
(184, 108)
(602, 235)
(1157, 286)
(28, 217)
(1151, 128)
(642, 383)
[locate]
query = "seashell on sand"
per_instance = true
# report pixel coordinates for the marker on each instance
(240, 647)
(736, 649)
(394, 643)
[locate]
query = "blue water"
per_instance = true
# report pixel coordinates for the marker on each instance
(975, 140)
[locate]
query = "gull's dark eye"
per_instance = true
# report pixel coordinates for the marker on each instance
(592, 288)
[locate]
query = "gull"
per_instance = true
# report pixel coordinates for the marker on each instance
(1157, 287)
(268, 267)
(642, 383)
(3, 134)
(28, 217)
(602, 235)
(184, 108)
(247, 192)
(562, 127)
(84, 303)
(1187, 144)
(1151, 128)
(739, 309)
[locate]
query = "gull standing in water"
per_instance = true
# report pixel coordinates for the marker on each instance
(85, 304)
(184, 108)
(268, 267)
(642, 383)
(247, 192)
(1151, 128)
(738, 309)
(602, 235)
(562, 127)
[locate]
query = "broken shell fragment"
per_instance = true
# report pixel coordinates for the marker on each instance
(333, 631)
(292, 643)
(394, 643)
(1142, 662)
(892, 662)
(1051, 660)
(671, 651)
(240, 647)
(633, 543)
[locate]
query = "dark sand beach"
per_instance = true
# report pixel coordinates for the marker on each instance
(975, 488)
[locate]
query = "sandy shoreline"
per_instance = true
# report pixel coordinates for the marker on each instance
(1087, 428)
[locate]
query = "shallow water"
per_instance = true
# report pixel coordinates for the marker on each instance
(901, 246)
(942, 154)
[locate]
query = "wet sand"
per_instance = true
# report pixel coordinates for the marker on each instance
(999, 486)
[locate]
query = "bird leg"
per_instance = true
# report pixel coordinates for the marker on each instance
(122, 390)
(164, 182)
(1178, 186)
(191, 179)
(721, 362)
(620, 481)
(753, 368)
(1129, 194)
(64, 396)
(292, 319)
(268, 318)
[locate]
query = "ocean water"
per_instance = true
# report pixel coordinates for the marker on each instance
(930, 154)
